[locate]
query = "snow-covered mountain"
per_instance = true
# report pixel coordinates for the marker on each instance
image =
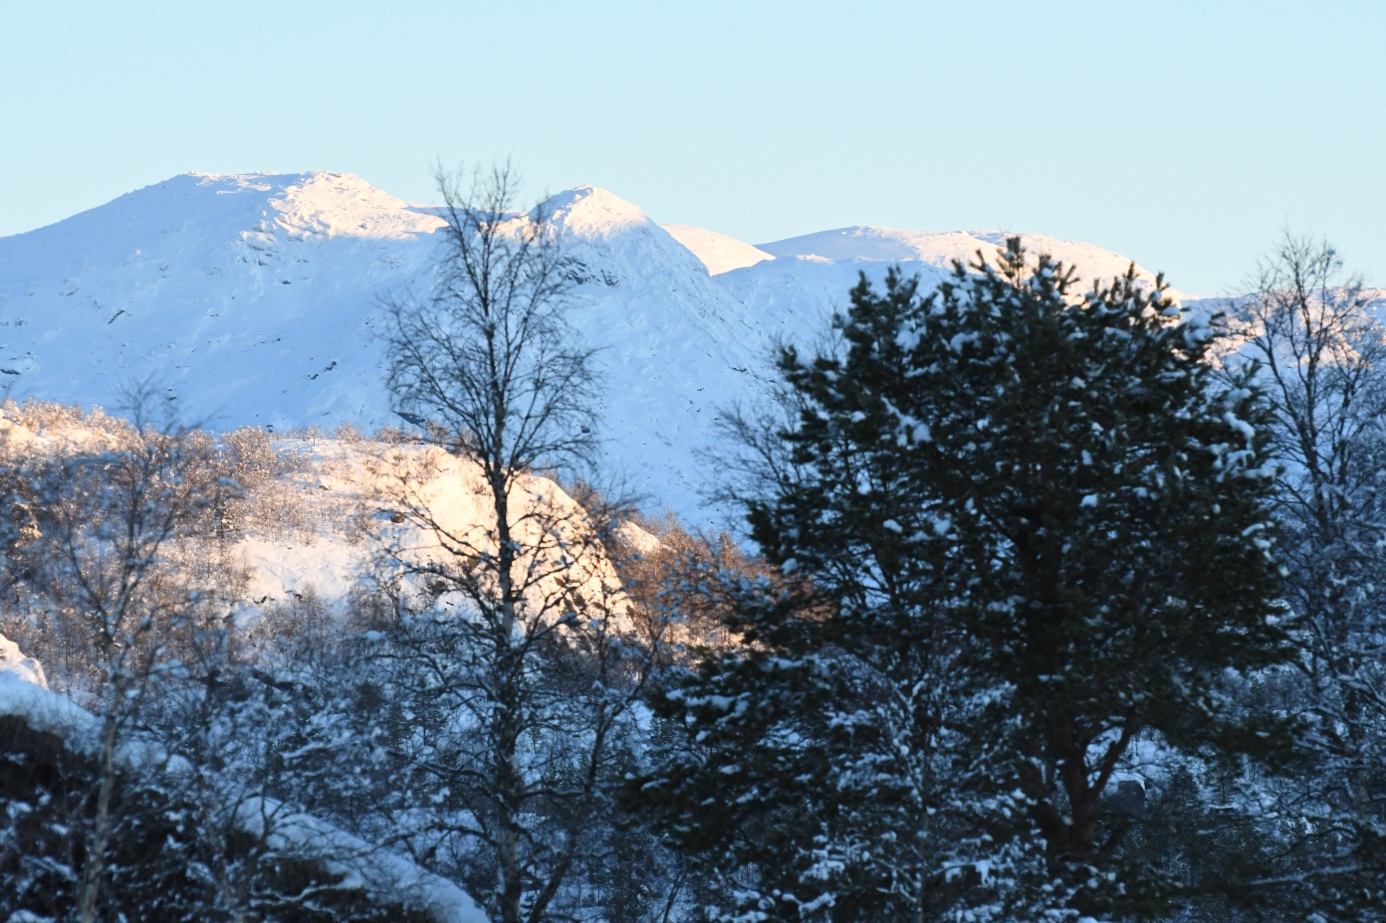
(941, 249)
(253, 299)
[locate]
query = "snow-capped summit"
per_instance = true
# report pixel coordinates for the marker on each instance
(591, 212)
(876, 244)
(332, 204)
(203, 206)
(600, 227)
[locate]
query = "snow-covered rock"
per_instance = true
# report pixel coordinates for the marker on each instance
(353, 863)
(357, 864)
(24, 694)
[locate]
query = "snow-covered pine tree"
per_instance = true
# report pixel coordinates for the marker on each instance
(1030, 527)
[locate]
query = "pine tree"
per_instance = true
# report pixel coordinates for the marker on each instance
(1029, 525)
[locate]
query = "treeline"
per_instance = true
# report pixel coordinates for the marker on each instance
(1065, 604)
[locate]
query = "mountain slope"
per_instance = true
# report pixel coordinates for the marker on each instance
(245, 297)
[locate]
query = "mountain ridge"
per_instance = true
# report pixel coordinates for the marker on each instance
(253, 299)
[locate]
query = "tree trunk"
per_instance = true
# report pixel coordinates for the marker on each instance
(507, 687)
(95, 865)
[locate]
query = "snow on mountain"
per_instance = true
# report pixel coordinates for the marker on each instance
(718, 252)
(253, 300)
(247, 297)
(322, 523)
(673, 343)
(942, 248)
(871, 243)
(320, 515)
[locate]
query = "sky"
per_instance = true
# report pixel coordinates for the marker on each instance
(1186, 135)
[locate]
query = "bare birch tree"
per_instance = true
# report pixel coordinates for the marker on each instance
(528, 686)
(1321, 351)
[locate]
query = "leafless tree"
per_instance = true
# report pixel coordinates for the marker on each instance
(489, 353)
(106, 549)
(1322, 357)
(530, 679)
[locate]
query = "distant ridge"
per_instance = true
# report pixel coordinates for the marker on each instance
(942, 248)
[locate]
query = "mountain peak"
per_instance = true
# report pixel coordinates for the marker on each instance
(590, 211)
(254, 299)
(321, 203)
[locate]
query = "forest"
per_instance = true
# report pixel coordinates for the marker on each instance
(1055, 601)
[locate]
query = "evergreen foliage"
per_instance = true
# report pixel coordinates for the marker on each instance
(1031, 529)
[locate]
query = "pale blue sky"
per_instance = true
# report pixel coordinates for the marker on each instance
(1183, 134)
